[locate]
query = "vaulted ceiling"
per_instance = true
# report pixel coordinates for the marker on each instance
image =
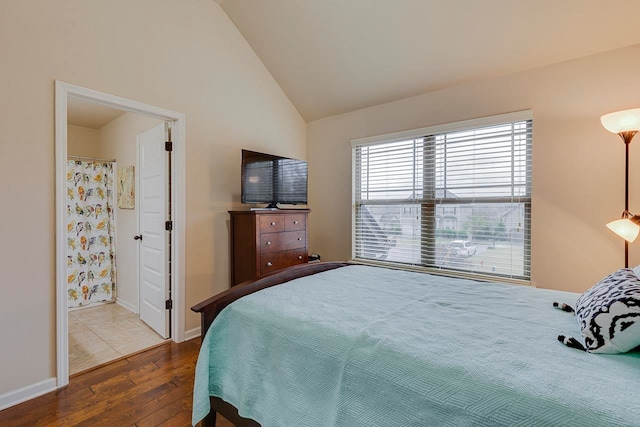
(334, 56)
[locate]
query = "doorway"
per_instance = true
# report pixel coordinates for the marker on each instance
(67, 95)
(109, 317)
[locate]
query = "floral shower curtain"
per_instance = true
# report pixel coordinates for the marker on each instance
(91, 271)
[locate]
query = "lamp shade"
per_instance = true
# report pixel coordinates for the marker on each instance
(622, 121)
(625, 228)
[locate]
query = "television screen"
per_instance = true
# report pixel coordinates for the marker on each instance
(273, 179)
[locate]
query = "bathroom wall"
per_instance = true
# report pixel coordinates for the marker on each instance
(82, 141)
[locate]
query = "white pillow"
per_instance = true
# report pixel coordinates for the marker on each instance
(636, 270)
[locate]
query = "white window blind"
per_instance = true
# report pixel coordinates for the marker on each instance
(455, 198)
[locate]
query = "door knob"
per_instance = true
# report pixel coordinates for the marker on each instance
(138, 237)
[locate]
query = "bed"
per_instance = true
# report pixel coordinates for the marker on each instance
(335, 344)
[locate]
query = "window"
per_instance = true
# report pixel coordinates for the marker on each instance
(454, 197)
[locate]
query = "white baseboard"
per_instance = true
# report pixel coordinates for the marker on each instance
(127, 305)
(192, 333)
(29, 392)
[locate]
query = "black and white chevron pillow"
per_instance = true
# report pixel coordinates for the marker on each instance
(609, 313)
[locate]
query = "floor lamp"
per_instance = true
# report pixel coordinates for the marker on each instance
(626, 124)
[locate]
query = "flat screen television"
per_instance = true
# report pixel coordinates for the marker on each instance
(273, 179)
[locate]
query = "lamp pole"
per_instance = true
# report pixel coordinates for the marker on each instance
(626, 192)
(626, 137)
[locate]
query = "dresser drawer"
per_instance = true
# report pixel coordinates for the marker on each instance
(278, 260)
(271, 223)
(294, 222)
(275, 242)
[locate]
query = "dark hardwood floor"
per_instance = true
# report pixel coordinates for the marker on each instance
(152, 388)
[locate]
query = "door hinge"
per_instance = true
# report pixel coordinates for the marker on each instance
(168, 146)
(168, 225)
(168, 304)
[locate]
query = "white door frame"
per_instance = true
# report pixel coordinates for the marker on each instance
(62, 92)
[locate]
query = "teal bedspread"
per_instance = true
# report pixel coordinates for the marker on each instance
(367, 346)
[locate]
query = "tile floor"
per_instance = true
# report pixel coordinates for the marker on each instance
(106, 332)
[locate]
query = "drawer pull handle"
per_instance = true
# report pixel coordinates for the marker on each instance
(273, 223)
(269, 264)
(299, 238)
(268, 243)
(295, 222)
(299, 256)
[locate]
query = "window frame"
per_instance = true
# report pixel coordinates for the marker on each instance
(428, 205)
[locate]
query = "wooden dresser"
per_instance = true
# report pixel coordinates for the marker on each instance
(266, 241)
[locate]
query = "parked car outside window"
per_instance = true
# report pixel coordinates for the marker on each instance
(462, 248)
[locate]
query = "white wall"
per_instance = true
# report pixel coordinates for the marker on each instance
(185, 56)
(578, 167)
(117, 140)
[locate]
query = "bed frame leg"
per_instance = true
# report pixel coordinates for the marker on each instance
(209, 420)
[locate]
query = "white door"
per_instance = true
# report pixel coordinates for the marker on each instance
(154, 244)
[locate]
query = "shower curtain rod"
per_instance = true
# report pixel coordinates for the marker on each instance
(93, 159)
